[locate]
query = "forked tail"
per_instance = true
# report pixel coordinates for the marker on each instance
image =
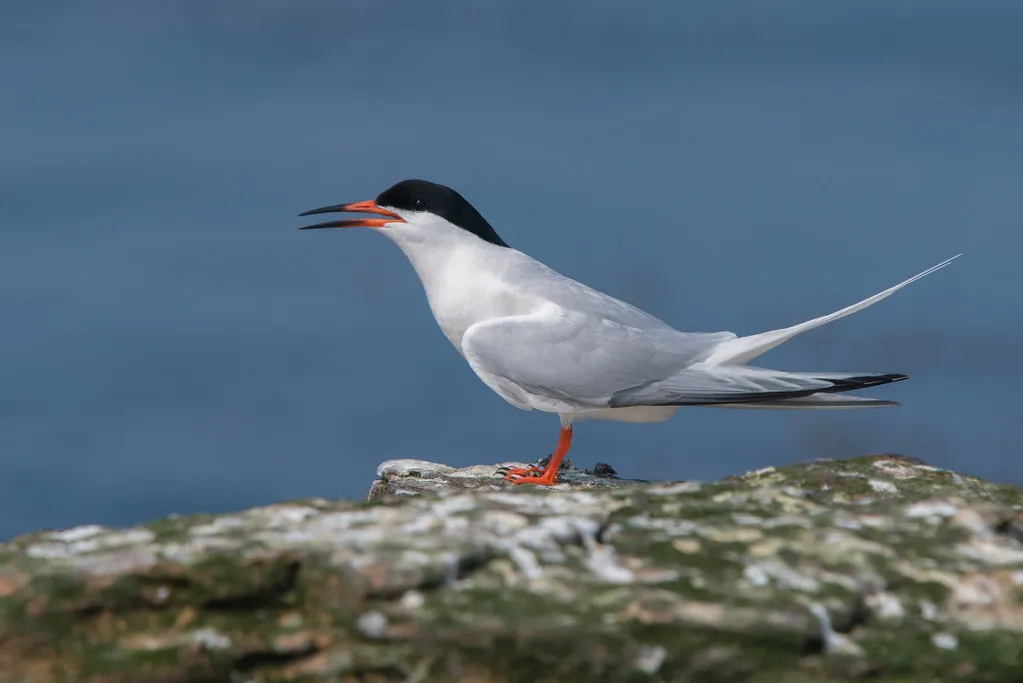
(742, 350)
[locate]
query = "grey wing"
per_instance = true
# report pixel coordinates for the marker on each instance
(559, 360)
(701, 384)
(586, 350)
(547, 284)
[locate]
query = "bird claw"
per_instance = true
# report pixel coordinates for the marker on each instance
(515, 473)
(534, 476)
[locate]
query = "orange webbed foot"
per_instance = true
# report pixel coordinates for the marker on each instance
(548, 476)
(531, 471)
(537, 478)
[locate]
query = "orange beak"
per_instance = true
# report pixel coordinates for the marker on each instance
(356, 207)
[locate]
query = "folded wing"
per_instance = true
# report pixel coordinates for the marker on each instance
(560, 360)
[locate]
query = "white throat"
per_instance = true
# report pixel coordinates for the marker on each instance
(465, 277)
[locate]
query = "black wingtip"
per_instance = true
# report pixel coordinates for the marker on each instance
(838, 385)
(864, 382)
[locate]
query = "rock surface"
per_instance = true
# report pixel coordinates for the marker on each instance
(877, 567)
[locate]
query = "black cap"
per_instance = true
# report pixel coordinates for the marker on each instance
(422, 195)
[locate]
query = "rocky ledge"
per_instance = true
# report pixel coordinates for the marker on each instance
(876, 567)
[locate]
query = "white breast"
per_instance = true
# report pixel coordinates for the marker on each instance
(466, 279)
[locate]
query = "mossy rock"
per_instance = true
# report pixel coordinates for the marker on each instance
(875, 567)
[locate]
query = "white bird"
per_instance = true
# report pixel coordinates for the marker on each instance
(543, 341)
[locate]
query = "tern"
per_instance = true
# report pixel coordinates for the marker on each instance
(543, 341)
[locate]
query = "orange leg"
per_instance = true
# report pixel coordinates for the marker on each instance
(548, 476)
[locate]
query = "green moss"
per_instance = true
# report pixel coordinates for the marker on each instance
(175, 529)
(108, 659)
(1001, 493)
(57, 600)
(12, 611)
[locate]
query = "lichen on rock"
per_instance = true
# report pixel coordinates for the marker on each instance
(879, 566)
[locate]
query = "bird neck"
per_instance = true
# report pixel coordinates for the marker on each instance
(463, 278)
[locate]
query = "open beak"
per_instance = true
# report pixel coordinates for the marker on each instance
(355, 207)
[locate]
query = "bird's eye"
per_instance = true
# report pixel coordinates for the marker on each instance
(420, 204)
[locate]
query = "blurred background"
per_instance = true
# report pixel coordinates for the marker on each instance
(170, 343)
